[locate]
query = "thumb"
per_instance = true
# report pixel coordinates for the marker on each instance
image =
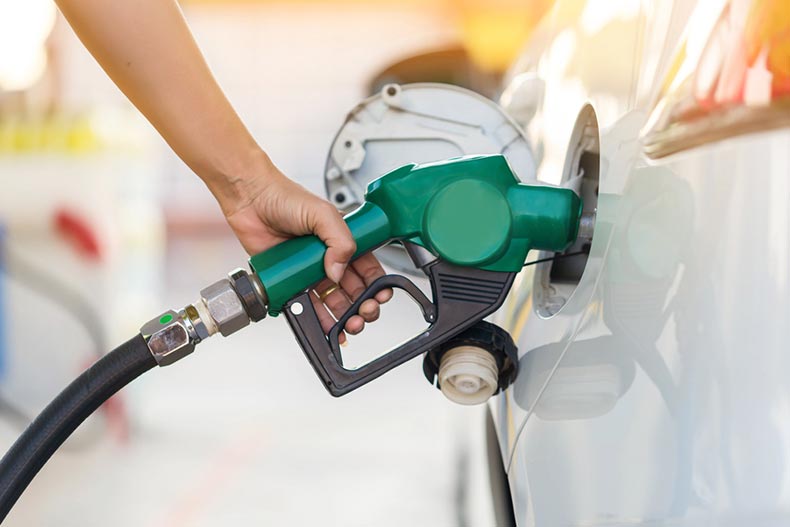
(333, 231)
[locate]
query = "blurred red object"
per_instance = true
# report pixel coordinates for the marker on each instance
(78, 233)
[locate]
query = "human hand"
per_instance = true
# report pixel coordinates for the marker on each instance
(268, 208)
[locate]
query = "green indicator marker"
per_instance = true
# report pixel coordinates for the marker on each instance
(167, 317)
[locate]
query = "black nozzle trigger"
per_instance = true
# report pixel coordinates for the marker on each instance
(384, 282)
(462, 297)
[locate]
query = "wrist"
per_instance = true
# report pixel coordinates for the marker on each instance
(235, 181)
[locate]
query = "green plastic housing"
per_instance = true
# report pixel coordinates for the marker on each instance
(470, 211)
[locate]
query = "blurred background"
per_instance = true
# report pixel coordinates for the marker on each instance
(102, 227)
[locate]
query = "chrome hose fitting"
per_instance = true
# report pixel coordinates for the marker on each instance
(170, 337)
(225, 307)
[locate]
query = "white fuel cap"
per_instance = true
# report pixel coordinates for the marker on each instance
(417, 123)
(468, 375)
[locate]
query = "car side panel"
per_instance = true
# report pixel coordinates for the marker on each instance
(671, 404)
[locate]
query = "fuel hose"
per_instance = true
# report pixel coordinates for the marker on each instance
(65, 413)
(224, 307)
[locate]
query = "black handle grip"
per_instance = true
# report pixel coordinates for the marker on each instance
(462, 297)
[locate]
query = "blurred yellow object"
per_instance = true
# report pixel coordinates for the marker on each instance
(494, 31)
(73, 136)
(80, 137)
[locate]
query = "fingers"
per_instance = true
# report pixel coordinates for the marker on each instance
(339, 297)
(329, 226)
(335, 299)
(324, 317)
(352, 280)
(369, 269)
(354, 286)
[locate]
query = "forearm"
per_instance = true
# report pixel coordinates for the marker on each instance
(147, 49)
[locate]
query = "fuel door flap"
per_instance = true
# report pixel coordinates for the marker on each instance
(417, 123)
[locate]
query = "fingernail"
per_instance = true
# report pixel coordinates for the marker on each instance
(368, 308)
(336, 271)
(384, 296)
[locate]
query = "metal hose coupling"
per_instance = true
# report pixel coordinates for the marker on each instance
(225, 306)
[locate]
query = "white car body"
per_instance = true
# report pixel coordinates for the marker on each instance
(659, 393)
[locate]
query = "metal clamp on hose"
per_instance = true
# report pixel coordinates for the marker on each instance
(225, 307)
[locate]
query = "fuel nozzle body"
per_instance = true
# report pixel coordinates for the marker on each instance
(468, 211)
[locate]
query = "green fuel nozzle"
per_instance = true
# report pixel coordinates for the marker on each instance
(472, 218)
(468, 211)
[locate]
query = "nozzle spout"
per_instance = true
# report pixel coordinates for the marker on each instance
(546, 216)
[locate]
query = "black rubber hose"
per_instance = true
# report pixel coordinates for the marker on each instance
(65, 413)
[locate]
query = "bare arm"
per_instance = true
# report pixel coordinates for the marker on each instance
(147, 49)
